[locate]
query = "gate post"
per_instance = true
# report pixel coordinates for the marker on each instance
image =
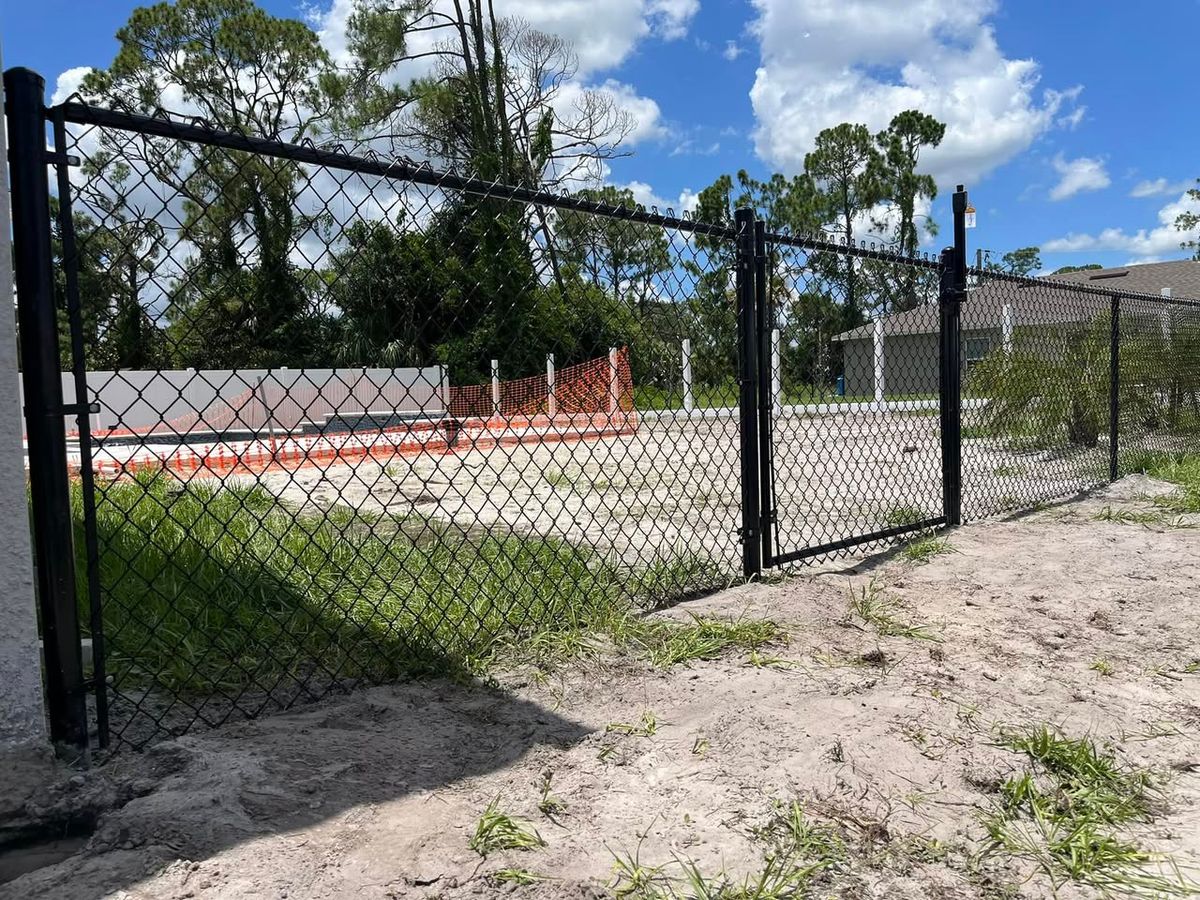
(1114, 388)
(748, 350)
(767, 374)
(49, 487)
(953, 288)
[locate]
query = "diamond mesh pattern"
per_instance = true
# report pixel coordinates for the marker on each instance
(1039, 386)
(361, 419)
(854, 399)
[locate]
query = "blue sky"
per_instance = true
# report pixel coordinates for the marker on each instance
(1070, 122)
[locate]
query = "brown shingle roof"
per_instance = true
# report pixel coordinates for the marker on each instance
(1040, 301)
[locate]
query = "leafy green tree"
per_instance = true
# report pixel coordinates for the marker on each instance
(237, 299)
(900, 146)
(1023, 261)
(1189, 223)
(845, 165)
(783, 204)
(112, 264)
(898, 287)
(625, 256)
(1064, 270)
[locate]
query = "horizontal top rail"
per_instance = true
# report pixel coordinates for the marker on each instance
(1062, 284)
(808, 242)
(163, 125)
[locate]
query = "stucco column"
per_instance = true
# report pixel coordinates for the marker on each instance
(22, 710)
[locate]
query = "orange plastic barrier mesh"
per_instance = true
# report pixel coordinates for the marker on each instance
(586, 401)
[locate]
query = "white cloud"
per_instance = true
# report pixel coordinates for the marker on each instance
(645, 195)
(732, 51)
(831, 61)
(1159, 187)
(1160, 240)
(68, 83)
(644, 111)
(1078, 175)
(670, 18)
(602, 41)
(1072, 120)
(689, 147)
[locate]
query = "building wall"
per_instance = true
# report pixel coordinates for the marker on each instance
(252, 398)
(910, 362)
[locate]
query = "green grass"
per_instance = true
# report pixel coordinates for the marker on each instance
(497, 831)
(1127, 516)
(795, 851)
(902, 514)
(1182, 469)
(925, 547)
(213, 587)
(1068, 815)
(883, 613)
(646, 726)
(519, 877)
(666, 643)
(972, 431)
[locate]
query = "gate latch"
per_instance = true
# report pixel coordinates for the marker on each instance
(79, 409)
(55, 158)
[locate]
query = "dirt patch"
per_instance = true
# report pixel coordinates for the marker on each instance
(887, 743)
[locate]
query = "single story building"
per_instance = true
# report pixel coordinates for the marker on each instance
(907, 341)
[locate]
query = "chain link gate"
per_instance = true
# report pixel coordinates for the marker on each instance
(854, 410)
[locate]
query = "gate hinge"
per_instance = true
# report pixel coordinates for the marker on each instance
(54, 158)
(78, 409)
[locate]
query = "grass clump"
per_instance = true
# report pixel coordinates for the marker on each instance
(1103, 666)
(900, 515)
(668, 643)
(882, 613)
(797, 849)
(519, 877)
(499, 831)
(1182, 469)
(646, 726)
(925, 547)
(549, 804)
(1126, 516)
(790, 833)
(1067, 814)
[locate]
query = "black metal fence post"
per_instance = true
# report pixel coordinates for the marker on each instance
(49, 487)
(767, 376)
(748, 350)
(1114, 388)
(953, 288)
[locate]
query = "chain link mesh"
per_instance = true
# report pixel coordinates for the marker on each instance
(359, 419)
(854, 397)
(1047, 363)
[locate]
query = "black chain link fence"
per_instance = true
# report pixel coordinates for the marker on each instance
(360, 419)
(353, 419)
(1068, 385)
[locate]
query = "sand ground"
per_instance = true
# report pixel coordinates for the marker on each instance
(889, 740)
(675, 485)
